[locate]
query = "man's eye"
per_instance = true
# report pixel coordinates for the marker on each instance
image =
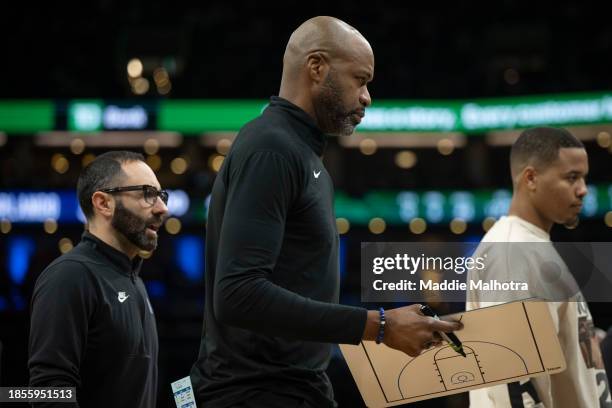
(150, 193)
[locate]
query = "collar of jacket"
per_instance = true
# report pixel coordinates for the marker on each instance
(119, 259)
(312, 135)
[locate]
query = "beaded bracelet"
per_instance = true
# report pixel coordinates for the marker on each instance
(381, 327)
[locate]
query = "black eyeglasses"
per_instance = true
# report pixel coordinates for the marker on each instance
(150, 193)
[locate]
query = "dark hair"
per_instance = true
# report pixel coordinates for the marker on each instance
(540, 146)
(101, 173)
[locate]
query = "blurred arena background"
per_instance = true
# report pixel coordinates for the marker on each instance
(454, 84)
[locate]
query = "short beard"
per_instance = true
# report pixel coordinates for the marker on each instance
(329, 109)
(134, 228)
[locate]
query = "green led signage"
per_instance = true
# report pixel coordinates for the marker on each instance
(199, 116)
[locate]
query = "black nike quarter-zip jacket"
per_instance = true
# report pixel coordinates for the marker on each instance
(93, 328)
(272, 270)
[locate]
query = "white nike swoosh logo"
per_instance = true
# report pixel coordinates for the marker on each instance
(123, 299)
(316, 173)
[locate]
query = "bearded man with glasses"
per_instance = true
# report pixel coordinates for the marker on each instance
(92, 325)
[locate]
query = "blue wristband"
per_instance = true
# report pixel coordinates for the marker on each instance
(381, 327)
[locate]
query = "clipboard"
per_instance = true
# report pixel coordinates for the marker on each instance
(503, 343)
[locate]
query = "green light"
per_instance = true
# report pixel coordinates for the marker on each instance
(207, 115)
(21, 116)
(85, 115)
(469, 116)
(399, 116)
(488, 114)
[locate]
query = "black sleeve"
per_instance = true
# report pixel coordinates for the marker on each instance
(258, 198)
(62, 302)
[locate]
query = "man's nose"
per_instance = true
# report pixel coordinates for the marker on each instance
(582, 189)
(160, 207)
(364, 97)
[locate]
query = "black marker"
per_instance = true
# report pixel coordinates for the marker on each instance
(450, 337)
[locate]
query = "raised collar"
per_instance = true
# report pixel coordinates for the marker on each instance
(119, 259)
(311, 134)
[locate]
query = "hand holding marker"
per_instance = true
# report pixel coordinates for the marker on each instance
(450, 338)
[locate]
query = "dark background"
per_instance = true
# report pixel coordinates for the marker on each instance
(228, 49)
(222, 49)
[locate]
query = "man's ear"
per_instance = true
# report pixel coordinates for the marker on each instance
(317, 66)
(530, 177)
(103, 203)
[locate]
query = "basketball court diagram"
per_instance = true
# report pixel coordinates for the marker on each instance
(454, 371)
(502, 344)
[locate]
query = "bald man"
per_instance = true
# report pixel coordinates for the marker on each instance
(272, 282)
